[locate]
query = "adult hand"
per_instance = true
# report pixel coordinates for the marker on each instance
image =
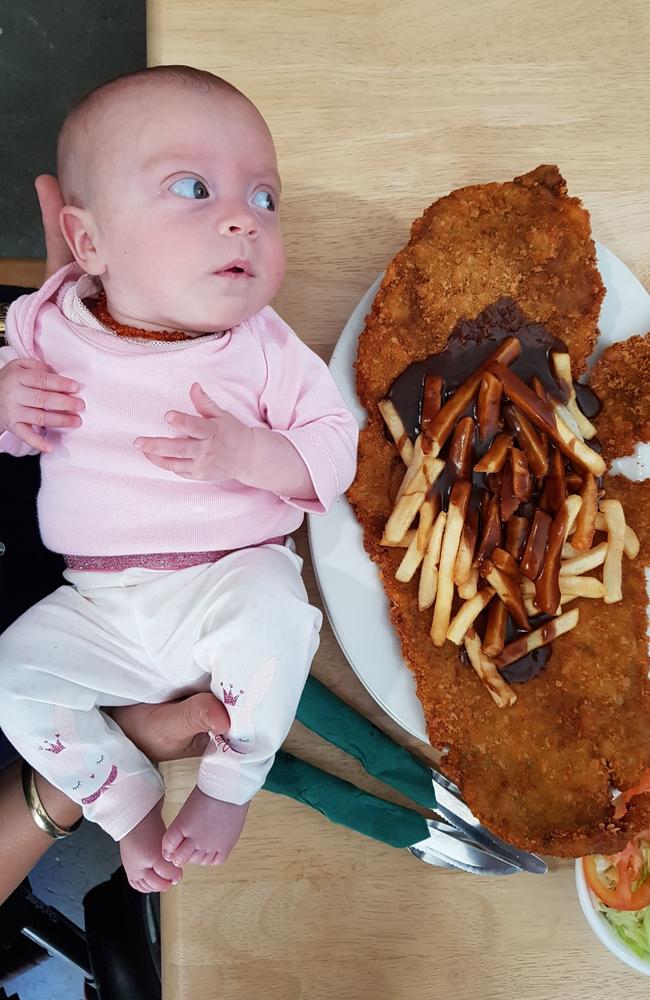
(32, 397)
(50, 200)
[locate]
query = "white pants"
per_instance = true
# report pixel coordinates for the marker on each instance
(241, 627)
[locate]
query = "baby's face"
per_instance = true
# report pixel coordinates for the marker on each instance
(186, 204)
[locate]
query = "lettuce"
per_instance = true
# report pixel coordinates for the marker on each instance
(632, 926)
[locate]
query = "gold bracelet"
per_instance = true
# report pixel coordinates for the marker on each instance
(37, 809)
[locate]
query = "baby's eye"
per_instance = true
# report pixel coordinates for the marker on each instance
(189, 187)
(264, 199)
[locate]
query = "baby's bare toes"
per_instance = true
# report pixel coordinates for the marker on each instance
(165, 869)
(176, 848)
(156, 882)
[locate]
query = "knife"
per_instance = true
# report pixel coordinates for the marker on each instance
(342, 802)
(327, 715)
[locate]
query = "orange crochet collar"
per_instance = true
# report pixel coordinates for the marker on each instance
(100, 311)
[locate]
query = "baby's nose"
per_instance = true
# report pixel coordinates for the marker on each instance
(240, 224)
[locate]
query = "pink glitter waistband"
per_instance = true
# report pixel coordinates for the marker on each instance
(155, 560)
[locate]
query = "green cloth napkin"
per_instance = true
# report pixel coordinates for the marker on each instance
(344, 803)
(325, 714)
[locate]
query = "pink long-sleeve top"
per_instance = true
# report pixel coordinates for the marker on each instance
(100, 496)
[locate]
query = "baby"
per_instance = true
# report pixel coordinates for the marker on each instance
(184, 431)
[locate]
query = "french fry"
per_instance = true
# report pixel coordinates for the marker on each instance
(461, 449)
(417, 482)
(414, 468)
(431, 401)
(428, 514)
(429, 573)
(530, 604)
(491, 536)
(469, 587)
(505, 562)
(538, 388)
(456, 513)
(516, 534)
(569, 587)
(467, 615)
(521, 482)
(574, 481)
(496, 455)
(556, 481)
(445, 420)
(631, 544)
(561, 412)
(612, 569)
(500, 690)
(547, 584)
(532, 608)
(507, 589)
(507, 498)
(562, 366)
(401, 543)
(540, 637)
(577, 450)
(488, 408)
(466, 548)
(582, 562)
(581, 586)
(418, 547)
(586, 519)
(495, 629)
(397, 430)
(547, 420)
(528, 440)
(535, 550)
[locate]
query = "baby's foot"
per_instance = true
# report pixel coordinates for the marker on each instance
(145, 867)
(204, 832)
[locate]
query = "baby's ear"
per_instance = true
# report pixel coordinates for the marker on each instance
(78, 228)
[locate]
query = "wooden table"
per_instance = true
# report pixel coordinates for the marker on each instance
(378, 108)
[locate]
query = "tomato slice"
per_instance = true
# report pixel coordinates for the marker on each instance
(620, 806)
(625, 895)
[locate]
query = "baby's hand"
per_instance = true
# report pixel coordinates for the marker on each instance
(215, 445)
(32, 396)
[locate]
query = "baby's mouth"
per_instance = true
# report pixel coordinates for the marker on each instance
(236, 269)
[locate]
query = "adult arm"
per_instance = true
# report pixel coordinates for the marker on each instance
(164, 732)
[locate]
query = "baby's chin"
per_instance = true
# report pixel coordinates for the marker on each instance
(199, 324)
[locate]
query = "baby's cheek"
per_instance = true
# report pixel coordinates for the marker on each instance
(277, 269)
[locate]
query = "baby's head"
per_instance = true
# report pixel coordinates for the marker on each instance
(171, 192)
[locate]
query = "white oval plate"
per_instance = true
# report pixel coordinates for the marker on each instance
(348, 580)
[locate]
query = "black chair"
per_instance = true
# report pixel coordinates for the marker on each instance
(119, 953)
